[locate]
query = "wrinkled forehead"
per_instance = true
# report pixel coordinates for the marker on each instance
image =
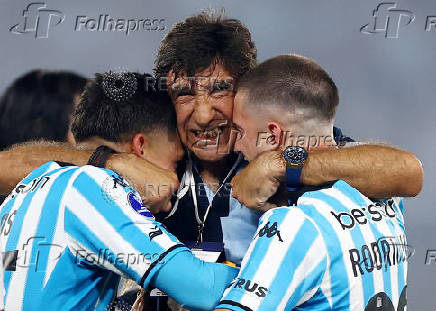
(202, 79)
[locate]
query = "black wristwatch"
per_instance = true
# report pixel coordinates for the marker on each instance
(295, 157)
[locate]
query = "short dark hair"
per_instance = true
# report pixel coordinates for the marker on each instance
(99, 115)
(38, 106)
(292, 81)
(201, 40)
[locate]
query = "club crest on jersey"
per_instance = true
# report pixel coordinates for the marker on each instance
(138, 206)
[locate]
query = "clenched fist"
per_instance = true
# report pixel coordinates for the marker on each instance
(154, 184)
(257, 183)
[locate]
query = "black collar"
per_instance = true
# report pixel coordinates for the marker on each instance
(293, 196)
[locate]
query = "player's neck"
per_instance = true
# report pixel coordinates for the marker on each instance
(94, 142)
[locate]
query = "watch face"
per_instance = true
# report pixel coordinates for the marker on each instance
(295, 154)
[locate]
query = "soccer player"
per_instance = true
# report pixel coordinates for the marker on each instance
(333, 248)
(68, 233)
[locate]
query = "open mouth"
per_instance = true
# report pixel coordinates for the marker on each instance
(211, 138)
(211, 134)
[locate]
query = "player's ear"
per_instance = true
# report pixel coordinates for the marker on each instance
(139, 144)
(275, 135)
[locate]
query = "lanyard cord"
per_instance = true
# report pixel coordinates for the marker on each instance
(185, 185)
(201, 223)
(188, 183)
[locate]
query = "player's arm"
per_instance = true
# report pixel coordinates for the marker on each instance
(105, 218)
(378, 171)
(284, 265)
(375, 170)
(193, 283)
(21, 159)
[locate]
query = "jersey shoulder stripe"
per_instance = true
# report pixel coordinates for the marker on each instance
(23, 235)
(358, 238)
(281, 263)
(107, 198)
(45, 229)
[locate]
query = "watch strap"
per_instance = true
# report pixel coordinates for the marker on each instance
(293, 176)
(100, 155)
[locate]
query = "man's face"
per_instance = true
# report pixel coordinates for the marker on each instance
(253, 135)
(164, 150)
(204, 106)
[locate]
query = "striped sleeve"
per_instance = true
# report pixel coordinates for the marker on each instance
(107, 225)
(284, 265)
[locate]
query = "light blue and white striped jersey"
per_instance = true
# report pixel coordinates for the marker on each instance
(335, 250)
(69, 233)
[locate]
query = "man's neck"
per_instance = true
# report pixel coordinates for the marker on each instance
(94, 142)
(213, 173)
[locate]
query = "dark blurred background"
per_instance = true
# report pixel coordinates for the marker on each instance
(385, 73)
